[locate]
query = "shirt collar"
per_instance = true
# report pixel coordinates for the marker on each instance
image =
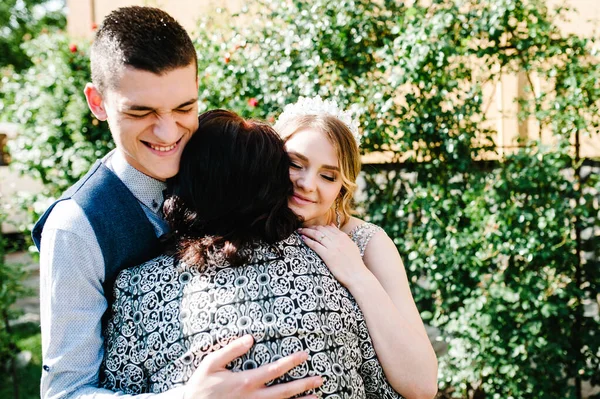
(148, 190)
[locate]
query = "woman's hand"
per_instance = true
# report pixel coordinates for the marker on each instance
(338, 251)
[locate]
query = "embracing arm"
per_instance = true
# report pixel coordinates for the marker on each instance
(380, 287)
(397, 331)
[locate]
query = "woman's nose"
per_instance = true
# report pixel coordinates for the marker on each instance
(306, 181)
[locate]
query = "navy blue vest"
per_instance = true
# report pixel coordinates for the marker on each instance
(124, 233)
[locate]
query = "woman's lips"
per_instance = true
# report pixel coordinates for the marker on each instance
(300, 200)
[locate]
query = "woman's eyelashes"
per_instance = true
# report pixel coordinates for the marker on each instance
(330, 177)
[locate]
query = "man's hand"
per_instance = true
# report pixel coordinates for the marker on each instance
(213, 381)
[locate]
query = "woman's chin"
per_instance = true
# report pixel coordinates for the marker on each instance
(307, 218)
(297, 210)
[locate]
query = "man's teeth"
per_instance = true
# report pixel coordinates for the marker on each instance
(163, 149)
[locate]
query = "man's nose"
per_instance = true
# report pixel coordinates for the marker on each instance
(166, 129)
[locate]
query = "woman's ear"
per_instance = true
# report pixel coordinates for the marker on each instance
(95, 101)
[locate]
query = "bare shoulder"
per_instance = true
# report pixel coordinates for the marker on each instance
(356, 224)
(381, 251)
(380, 241)
(352, 224)
(370, 239)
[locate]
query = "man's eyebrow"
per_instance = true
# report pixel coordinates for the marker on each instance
(305, 159)
(137, 108)
(147, 108)
(187, 103)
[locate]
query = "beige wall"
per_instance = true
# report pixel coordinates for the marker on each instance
(83, 14)
(500, 97)
(588, 13)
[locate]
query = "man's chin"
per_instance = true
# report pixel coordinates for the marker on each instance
(162, 175)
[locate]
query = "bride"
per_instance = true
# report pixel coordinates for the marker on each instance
(322, 141)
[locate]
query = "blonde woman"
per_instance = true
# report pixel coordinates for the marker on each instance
(322, 143)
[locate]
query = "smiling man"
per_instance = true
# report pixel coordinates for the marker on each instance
(144, 84)
(151, 117)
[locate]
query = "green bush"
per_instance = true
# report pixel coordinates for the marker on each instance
(22, 19)
(11, 289)
(499, 252)
(59, 138)
(28, 338)
(494, 249)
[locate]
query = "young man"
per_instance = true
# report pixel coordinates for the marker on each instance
(144, 83)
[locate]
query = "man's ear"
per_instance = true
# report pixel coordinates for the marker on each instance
(95, 101)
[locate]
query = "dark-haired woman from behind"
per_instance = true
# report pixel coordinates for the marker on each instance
(235, 266)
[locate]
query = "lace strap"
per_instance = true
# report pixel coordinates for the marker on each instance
(362, 234)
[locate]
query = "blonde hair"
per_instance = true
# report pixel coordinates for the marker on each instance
(346, 148)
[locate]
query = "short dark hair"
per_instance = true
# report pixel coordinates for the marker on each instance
(144, 38)
(232, 190)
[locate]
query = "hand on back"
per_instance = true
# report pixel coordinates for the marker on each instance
(213, 381)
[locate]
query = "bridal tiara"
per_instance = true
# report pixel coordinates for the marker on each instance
(317, 106)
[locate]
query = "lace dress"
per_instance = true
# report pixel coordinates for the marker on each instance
(168, 315)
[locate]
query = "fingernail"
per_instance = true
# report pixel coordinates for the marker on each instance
(303, 237)
(318, 382)
(247, 339)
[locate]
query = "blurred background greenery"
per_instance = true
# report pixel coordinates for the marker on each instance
(498, 222)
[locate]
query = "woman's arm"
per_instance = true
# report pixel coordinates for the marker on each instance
(380, 286)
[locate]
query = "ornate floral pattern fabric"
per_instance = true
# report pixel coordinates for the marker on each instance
(168, 315)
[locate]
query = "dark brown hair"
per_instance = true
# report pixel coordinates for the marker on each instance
(144, 38)
(232, 190)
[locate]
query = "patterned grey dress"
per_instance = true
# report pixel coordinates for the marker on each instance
(168, 315)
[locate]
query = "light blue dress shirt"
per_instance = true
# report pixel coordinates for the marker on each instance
(72, 299)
